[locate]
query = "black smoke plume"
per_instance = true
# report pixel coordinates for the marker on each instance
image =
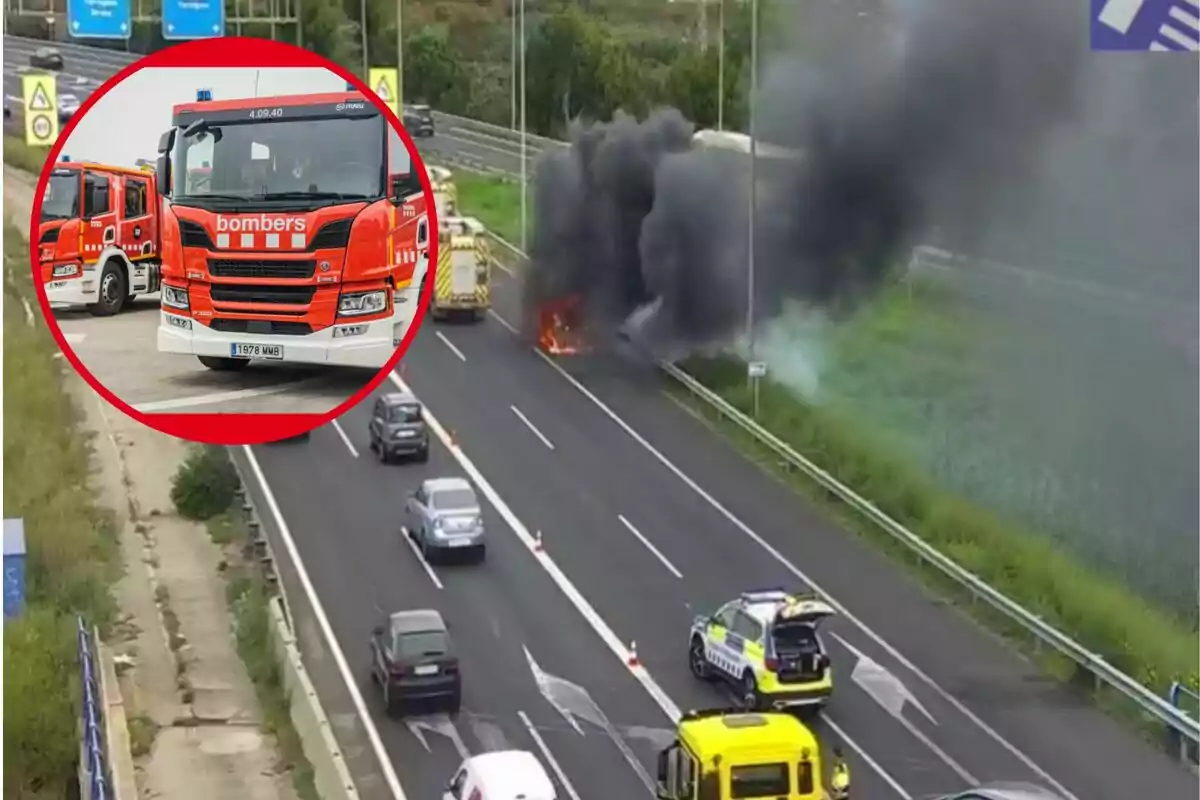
(921, 118)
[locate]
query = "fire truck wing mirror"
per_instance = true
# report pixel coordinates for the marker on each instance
(404, 185)
(667, 785)
(166, 141)
(162, 175)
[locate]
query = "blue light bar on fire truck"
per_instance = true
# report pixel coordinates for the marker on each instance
(203, 95)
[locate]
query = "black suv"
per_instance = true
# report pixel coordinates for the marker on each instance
(397, 428)
(412, 658)
(46, 58)
(418, 120)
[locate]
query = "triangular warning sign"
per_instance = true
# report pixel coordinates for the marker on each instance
(40, 100)
(385, 94)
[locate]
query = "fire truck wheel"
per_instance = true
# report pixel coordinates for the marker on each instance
(224, 364)
(114, 289)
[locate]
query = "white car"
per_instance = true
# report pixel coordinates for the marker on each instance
(68, 106)
(501, 775)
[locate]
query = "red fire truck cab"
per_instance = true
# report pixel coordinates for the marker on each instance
(294, 229)
(98, 236)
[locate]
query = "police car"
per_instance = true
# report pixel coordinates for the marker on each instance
(765, 644)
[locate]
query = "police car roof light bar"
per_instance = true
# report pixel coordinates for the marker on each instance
(766, 595)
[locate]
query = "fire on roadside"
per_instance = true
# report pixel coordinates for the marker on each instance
(559, 327)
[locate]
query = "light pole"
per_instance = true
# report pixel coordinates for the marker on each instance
(524, 151)
(721, 69)
(512, 65)
(362, 27)
(750, 288)
(400, 57)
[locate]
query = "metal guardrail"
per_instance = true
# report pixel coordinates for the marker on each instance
(1183, 730)
(93, 747)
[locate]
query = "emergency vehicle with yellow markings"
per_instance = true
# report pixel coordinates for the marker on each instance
(723, 755)
(445, 193)
(292, 230)
(765, 644)
(98, 236)
(463, 279)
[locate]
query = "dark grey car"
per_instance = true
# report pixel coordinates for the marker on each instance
(413, 659)
(444, 517)
(1003, 790)
(397, 428)
(46, 58)
(418, 120)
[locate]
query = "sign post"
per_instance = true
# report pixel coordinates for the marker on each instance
(192, 19)
(14, 567)
(384, 81)
(99, 19)
(757, 371)
(41, 109)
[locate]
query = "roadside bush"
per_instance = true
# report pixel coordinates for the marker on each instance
(205, 484)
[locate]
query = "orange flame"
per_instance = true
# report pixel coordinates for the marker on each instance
(558, 329)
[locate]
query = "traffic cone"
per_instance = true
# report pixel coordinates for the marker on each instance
(537, 543)
(632, 660)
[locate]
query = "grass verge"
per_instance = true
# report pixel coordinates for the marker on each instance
(1149, 644)
(496, 202)
(71, 545)
(23, 157)
(248, 597)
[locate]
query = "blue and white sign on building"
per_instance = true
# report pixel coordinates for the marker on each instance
(99, 19)
(193, 19)
(1159, 25)
(14, 567)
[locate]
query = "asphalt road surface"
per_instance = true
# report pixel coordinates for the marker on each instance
(648, 518)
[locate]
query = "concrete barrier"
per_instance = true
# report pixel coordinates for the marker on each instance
(116, 727)
(332, 777)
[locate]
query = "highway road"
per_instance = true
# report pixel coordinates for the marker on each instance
(646, 518)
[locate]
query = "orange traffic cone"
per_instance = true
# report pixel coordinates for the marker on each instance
(632, 659)
(537, 543)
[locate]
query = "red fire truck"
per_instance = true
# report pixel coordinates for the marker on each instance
(294, 229)
(98, 241)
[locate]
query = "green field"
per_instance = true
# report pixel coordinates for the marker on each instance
(902, 347)
(71, 545)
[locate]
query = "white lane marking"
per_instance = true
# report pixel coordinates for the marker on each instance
(549, 756)
(650, 546)
(29, 312)
(348, 676)
(504, 322)
(1120, 14)
(450, 344)
(345, 438)
(74, 338)
(412, 545)
(589, 613)
(549, 444)
(872, 763)
(442, 725)
(504, 267)
(224, 397)
(792, 568)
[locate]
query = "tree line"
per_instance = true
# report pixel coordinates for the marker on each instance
(458, 56)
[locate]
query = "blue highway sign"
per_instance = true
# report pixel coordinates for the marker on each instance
(193, 19)
(1159, 25)
(99, 19)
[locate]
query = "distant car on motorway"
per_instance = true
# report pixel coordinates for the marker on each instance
(7, 107)
(46, 58)
(413, 658)
(68, 106)
(1001, 790)
(418, 120)
(397, 428)
(444, 516)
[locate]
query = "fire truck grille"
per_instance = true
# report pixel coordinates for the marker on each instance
(261, 327)
(239, 268)
(282, 295)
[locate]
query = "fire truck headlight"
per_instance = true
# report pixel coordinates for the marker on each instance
(174, 297)
(359, 303)
(66, 270)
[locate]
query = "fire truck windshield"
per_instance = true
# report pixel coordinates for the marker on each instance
(61, 200)
(261, 164)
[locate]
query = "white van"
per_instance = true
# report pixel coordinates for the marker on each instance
(503, 775)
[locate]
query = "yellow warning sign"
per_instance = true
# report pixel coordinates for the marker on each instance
(385, 82)
(41, 109)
